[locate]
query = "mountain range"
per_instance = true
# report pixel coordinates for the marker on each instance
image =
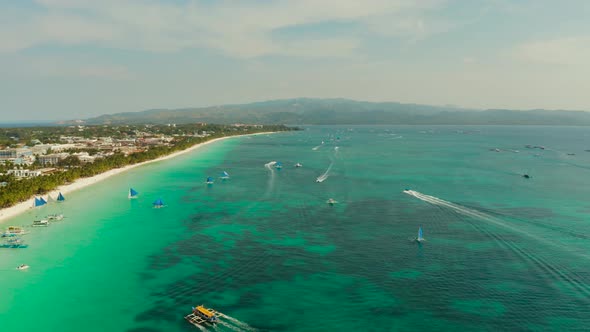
(308, 111)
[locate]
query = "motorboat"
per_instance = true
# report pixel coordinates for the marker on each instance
(201, 315)
(331, 201)
(22, 267)
(298, 165)
(41, 223)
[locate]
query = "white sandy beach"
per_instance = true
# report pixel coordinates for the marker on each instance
(19, 208)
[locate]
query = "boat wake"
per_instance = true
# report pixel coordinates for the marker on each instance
(235, 324)
(271, 180)
(560, 273)
(326, 174)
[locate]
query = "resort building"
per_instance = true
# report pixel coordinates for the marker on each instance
(52, 159)
(23, 173)
(10, 154)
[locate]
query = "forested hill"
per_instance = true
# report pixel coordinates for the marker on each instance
(342, 111)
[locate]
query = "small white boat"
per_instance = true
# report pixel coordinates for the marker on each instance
(331, 201)
(41, 223)
(22, 267)
(55, 217)
(298, 165)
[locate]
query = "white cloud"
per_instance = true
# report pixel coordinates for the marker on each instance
(236, 28)
(573, 51)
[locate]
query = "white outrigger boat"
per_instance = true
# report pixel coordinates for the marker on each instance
(41, 223)
(331, 201)
(22, 267)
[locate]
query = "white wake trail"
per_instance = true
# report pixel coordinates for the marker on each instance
(239, 323)
(326, 174)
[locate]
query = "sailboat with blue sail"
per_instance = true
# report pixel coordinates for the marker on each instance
(39, 201)
(132, 193)
(278, 165)
(159, 203)
(60, 197)
(224, 175)
(420, 237)
(209, 180)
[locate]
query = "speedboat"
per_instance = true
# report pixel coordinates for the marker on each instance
(55, 217)
(331, 201)
(298, 165)
(22, 267)
(41, 223)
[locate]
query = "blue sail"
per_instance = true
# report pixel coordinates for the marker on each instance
(209, 179)
(420, 233)
(40, 201)
(158, 202)
(60, 197)
(132, 192)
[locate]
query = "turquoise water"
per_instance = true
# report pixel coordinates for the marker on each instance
(502, 252)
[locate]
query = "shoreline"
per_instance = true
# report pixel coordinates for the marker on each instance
(22, 207)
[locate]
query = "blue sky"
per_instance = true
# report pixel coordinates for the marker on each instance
(68, 59)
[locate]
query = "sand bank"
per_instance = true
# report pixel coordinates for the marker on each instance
(19, 208)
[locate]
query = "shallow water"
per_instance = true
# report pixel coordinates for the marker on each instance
(502, 252)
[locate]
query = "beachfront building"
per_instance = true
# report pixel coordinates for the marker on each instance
(11, 154)
(52, 159)
(23, 173)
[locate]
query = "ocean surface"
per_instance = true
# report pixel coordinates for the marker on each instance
(502, 252)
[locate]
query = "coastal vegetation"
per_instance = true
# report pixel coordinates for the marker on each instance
(347, 112)
(70, 168)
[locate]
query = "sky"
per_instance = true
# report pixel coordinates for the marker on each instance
(74, 59)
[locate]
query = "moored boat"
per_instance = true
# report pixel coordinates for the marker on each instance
(22, 267)
(14, 243)
(41, 223)
(298, 165)
(13, 231)
(331, 201)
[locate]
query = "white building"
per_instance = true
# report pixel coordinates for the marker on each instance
(23, 173)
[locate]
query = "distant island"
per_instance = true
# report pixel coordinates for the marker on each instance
(308, 111)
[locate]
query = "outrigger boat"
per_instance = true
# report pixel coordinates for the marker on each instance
(15, 243)
(13, 231)
(278, 165)
(22, 267)
(41, 223)
(298, 165)
(209, 180)
(202, 315)
(331, 201)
